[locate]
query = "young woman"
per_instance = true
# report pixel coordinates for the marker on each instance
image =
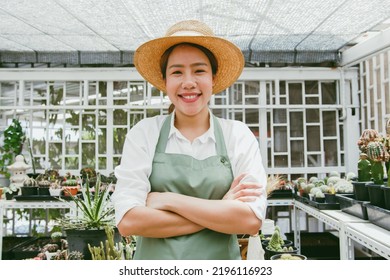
(189, 182)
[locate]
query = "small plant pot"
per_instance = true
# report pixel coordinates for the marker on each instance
(330, 198)
(70, 191)
(375, 192)
(10, 196)
(386, 192)
(29, 191)
(43, 191)
(360, 191)
(55, 192)
(319, 199)
(269, 253)
(288, 257)
(1, 193)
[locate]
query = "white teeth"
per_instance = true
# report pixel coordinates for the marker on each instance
(189, 96)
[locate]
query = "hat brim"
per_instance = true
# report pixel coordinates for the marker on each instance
(229, 57)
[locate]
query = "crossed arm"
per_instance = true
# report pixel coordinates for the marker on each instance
(171, 214)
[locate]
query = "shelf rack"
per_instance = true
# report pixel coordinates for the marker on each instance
(12, 204)
(351, 229)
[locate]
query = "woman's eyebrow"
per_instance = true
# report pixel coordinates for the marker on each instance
(192, 65)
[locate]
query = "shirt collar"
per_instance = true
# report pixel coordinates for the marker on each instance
(209, 134)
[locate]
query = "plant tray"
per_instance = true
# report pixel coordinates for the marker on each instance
(40, 198)
(281, 194)
(378, 216)
(324, 205)
(30, 249)
(350, 205)
(301, 199)
(11, 242)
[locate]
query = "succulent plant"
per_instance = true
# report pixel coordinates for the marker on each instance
(30, 182)
(75, 255)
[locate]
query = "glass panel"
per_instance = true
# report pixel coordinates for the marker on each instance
(282, 88)
(295, 93)
(314, 160)
(102, 162)
(116, 161)
(71, 141)
(296, 124)
(281, 161)
(329, 93)
(102, 138)
(72, 163)
(56, 93)
(329, 123)
(8, 93)
(269, 131)
(38, 141)
(312, 100)
(330, 151)
(297, 154)
(120, 117)
(88, 155)
(280, 116)
(119, 139)
(311, 87)
(55, 155)
(313, 138)
(73, 93)
(92, 93)
(251, 116)
(280, 139)
(102, 117)
(55, 133)
(88, 127)
(312, 115)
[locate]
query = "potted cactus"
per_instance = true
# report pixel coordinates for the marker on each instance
(96, 213)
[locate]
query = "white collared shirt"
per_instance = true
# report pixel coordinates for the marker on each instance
(135, 168)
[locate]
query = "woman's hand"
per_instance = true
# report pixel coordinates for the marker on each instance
(245, 191)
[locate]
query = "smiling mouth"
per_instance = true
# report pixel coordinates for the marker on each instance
(190, 97)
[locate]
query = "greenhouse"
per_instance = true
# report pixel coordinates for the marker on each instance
(314, 91)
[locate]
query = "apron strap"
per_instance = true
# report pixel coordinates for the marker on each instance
(166, 128)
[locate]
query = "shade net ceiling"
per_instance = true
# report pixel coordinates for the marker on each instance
(108, 31)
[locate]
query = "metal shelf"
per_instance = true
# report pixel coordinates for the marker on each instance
(12, 204)
(280, 202)
(371, 236)
(350, 228)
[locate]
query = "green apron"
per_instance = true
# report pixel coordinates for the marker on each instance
(209, 179)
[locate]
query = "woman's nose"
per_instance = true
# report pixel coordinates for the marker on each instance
(189, 82)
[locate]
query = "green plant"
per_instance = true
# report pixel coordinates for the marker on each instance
(377, 154)
(95, 208)
(10, 189)
(276, 242)
(14, 138)
(108, 251)
(364, 168)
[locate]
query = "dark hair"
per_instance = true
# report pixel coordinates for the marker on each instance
(167, 53)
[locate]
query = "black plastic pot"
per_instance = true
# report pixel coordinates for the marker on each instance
(268, 253)
(386, 192)
(78, 240)
(375, 192)
(360, 191)
(287, 256)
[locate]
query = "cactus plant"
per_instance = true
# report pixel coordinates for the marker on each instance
(377, 154)
(364, 168)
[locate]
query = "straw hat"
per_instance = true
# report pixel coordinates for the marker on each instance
(229, 57)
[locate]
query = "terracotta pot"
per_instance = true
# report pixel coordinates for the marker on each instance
(68, 191)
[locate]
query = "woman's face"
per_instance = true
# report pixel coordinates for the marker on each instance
(189, 80)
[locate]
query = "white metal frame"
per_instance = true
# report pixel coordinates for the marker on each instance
(265, 79)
